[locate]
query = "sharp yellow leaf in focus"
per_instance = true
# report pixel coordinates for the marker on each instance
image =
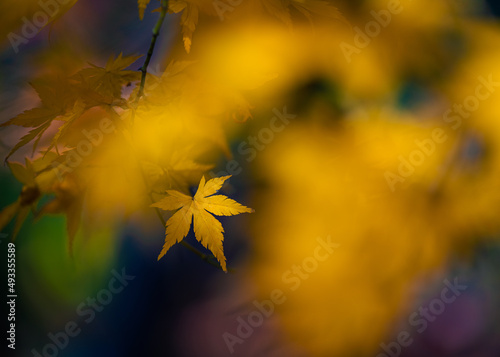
(207, 229)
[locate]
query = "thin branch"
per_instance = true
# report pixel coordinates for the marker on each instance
(156, 33)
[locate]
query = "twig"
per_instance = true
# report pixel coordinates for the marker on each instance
(156, 33)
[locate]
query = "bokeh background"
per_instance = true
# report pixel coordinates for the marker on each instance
(323, 174)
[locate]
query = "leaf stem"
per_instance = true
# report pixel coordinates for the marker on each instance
(156, 33)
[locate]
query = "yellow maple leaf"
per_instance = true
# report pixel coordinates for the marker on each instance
(69, 198)
(142, 4)
(178, 171)
(108, 81)
(189, 19)
(309, 8)
(36, 179)
(207, 229)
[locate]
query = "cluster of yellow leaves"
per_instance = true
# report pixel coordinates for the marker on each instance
(69, 101)
(280, 9)
(38, 178)
(388, 240)
(336, 159)
(164, 141)
(339, 154)
(207, 229)
(66, 99)
(308, 8)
